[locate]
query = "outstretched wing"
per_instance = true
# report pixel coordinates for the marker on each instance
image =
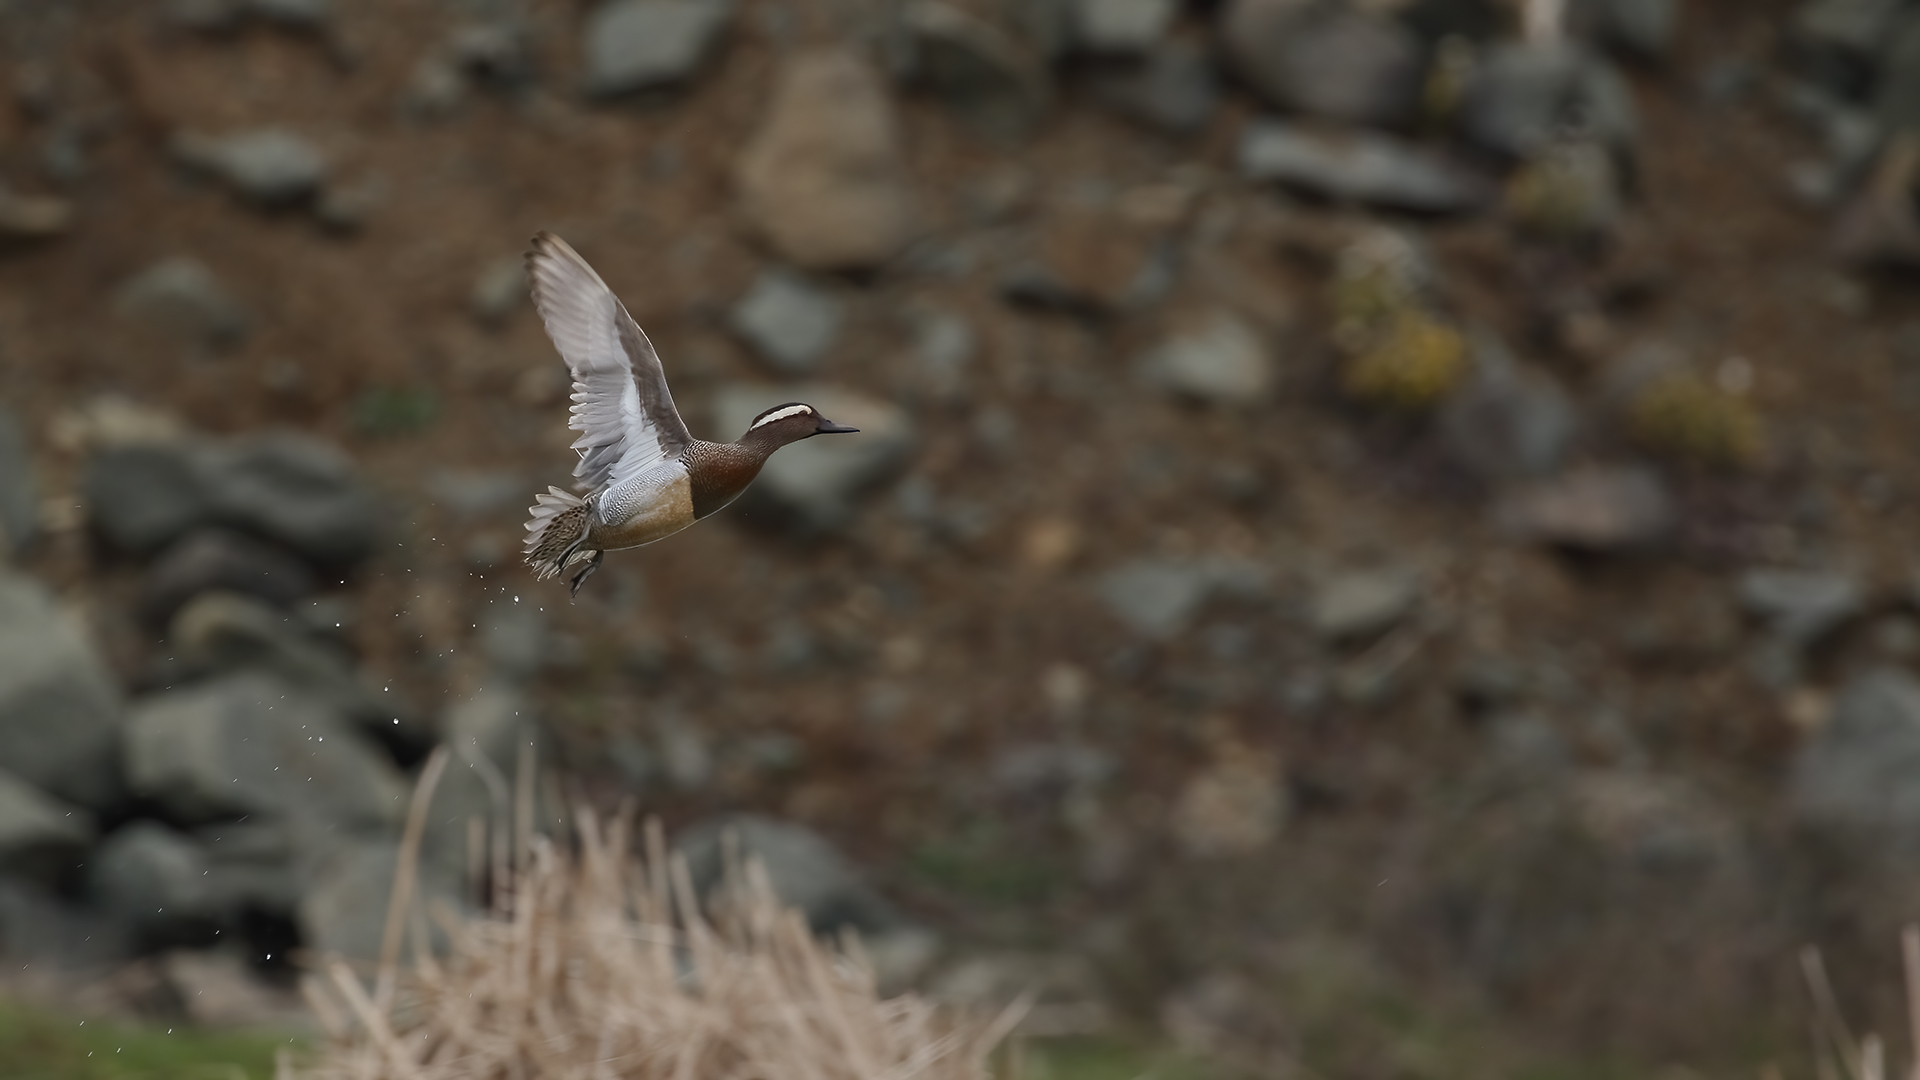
(621, 405)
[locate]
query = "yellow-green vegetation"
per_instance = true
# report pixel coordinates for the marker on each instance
(1685, 417)
(1570, 192)
(1377, 281)
(39, 1045)
(1409, 366)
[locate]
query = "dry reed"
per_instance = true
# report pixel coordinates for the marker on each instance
(596, 964)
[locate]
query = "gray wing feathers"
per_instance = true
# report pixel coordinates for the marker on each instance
(621, 405)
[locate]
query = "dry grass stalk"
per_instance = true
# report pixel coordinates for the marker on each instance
(601, 966)
(1837, 1054)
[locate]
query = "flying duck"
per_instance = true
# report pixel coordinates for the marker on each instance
(645, 476)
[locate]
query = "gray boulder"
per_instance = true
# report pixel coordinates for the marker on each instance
(227, 632)
(639, 44)
(1524, 97)
(251, 866)
(345, 890)
(816, 484)
(39, 927)
(1857, 774)
(182, 298)
(270, 166)
(208, 560)
(250, 743)
(804, 869)
(296, 491)
(154, 879)
(1324, 59)
(1359, 166)
(1641, 28)
(60, 712)
(40, 837)
(789, 321)
(19, 498)
(1221, 360)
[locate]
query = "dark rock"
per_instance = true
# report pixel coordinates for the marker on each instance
(1363, 603)
(790, 321)
(804, 869)
(251, 866)
(181, 297)
(1324, 59)
(60, 710)
(1594, 509)
(227, 632)
(19, 495)
(42, 928)
(639, 44)
(295, 490)
(1173, 88)
(824, 178)
(289, 489)
(1525, 97)
(41, 837)
(1838, 43)
(300, 14)
(1220, 360)
(269, 166)
(476, 494)
(154, 880)
(207, 560)
(1856, 774)
(990, 80)
(1508, 422)
(1119, 27)
(1800, 606)
(1359, 166)
(1158, 597)
(249, 743)
(1641, 28)
(817, 483)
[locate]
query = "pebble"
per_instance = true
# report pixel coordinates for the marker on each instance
(1157, 598)
(633, 45)
(1360, 604)
(1856, 773)
(1800, 606)
(270, 166)
(1598, 508)
(1119, 27)
(1173, 89)
(823, 179)
(1327, 60)
(992, 82)
(788, 320)
(33, 217)
(1509, 421)
(1358, 166)
(181, 297)
(1222, 360)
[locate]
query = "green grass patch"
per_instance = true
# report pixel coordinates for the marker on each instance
(40, 1045)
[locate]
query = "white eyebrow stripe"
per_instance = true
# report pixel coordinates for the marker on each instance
(782, 414)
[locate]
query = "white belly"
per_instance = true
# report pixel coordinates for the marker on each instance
(645, 508)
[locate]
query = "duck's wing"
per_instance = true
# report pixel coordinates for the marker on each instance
(621, 405)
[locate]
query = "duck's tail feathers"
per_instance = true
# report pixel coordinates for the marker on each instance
(557, 532)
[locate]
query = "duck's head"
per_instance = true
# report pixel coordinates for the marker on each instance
(790, 423)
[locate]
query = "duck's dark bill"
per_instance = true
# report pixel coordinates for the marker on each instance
(828, 427)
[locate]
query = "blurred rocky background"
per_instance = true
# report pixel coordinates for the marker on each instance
(1381, 544)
